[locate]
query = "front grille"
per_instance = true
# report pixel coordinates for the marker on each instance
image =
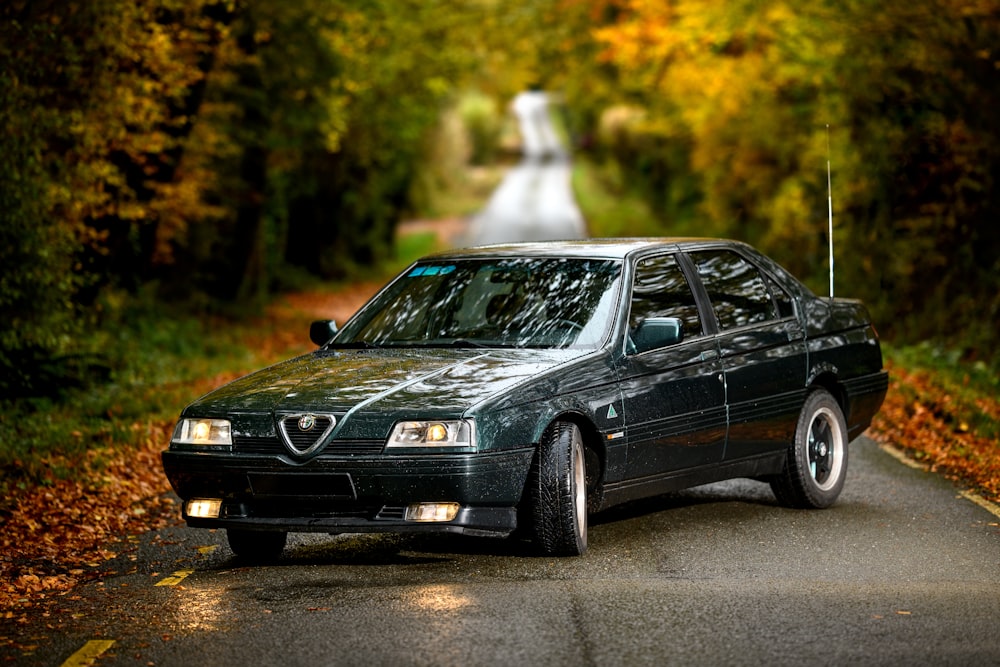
(273, 446)
(302, 439)
(282, 509)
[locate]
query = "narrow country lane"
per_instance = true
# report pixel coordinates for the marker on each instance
(535, 201)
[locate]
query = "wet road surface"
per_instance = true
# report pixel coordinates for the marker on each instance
(901, 571)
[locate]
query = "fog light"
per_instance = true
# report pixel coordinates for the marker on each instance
(431, 512)
(204, 508)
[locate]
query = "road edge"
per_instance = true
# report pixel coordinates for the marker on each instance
(971, 496)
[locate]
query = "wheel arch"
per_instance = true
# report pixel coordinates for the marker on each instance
(827, 379)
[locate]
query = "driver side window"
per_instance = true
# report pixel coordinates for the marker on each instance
(661, 290)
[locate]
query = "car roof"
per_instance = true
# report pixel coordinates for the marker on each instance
(601, 248)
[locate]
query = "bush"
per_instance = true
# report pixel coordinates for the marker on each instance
(483, 125)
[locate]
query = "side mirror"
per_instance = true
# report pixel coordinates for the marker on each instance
(656, 332)
(322, 331)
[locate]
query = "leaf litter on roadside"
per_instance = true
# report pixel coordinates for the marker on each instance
(59, 533)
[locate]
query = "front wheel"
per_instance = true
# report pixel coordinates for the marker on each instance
(816, 464)
(558, 492)
(256, 546)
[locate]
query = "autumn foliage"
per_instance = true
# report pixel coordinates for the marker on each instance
(205, 151)
(725, 115)
(59, 533)
(923, 418)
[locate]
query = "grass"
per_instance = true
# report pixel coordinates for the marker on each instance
(607, 206)
(410, 247)
(155, 356)
(965, 393)
(468, 196)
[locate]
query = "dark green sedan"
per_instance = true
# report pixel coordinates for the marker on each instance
(524, 386)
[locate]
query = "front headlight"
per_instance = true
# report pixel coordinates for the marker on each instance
(438, 433)
(208, 432)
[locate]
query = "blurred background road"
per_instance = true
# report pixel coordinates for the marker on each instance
(535, 201)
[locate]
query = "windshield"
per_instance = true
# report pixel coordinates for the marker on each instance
(491, 303)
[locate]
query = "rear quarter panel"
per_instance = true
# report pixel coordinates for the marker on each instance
(843, 345)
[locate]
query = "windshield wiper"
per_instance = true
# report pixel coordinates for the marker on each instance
(353, 345)
(464, 342)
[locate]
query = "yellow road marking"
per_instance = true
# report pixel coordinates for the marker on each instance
(174, 579)
(982, 502)
(972, 497)
(898, 454)
(90, 652)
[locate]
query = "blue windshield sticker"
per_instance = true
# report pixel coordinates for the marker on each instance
(430, 271)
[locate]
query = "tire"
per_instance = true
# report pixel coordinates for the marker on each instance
(558, 492)
(816, 464)
(256, 546)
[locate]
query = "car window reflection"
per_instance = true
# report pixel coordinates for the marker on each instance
(661, 290)
(735, 287)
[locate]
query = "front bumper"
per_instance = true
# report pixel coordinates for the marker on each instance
(353, 494)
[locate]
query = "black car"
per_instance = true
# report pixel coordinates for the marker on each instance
(525, 385)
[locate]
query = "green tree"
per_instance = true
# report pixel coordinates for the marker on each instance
(94, 98)
(205, 146)
(314, 123)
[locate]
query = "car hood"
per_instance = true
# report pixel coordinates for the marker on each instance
(388, 382)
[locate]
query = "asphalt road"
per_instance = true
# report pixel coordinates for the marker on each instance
(901, 571)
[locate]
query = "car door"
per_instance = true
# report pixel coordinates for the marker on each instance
(674, 397)
(763, 351)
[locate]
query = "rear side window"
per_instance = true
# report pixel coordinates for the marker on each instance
(736, 288)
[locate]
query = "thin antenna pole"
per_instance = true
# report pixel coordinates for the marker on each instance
(829, 199)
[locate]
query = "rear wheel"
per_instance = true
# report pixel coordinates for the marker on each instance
(256, 546)
(816, 465)
(558, 492)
